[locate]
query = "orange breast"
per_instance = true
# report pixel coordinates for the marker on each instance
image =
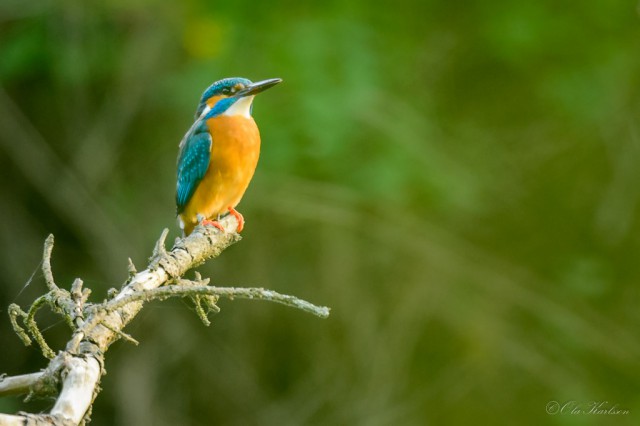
(234, 156)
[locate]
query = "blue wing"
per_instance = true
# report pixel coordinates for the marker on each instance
(193, 162)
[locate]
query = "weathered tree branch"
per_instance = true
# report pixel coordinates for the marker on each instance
(17, 385)
(74, 373)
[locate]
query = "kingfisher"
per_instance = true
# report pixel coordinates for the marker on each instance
(219, 154)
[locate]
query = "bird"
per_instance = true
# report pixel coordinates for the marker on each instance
(218, 155)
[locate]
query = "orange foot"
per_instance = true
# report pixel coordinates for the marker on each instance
(238, 216)
(214, 223)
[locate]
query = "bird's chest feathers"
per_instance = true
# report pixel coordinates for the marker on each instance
(236, 146)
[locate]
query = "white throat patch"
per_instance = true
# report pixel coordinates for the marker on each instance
(205, 111)
(241, 107)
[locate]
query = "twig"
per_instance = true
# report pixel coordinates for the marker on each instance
(228, 292)
(14, 312)
(32, 326)
(46, 263)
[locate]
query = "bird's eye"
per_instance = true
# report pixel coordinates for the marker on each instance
(226, 91)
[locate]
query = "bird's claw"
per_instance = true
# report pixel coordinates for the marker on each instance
(239, 217)
(214, 223)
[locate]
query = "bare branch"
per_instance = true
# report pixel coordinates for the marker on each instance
(9, 420)
(81, 376)
(17, 385)
(77, 369)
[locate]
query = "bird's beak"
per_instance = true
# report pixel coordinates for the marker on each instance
(257, 87)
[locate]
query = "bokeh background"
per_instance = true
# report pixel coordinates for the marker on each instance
(460, 182)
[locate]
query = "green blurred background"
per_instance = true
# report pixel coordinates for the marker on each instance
(459, 181)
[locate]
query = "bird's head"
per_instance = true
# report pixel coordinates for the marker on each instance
(232, 96)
